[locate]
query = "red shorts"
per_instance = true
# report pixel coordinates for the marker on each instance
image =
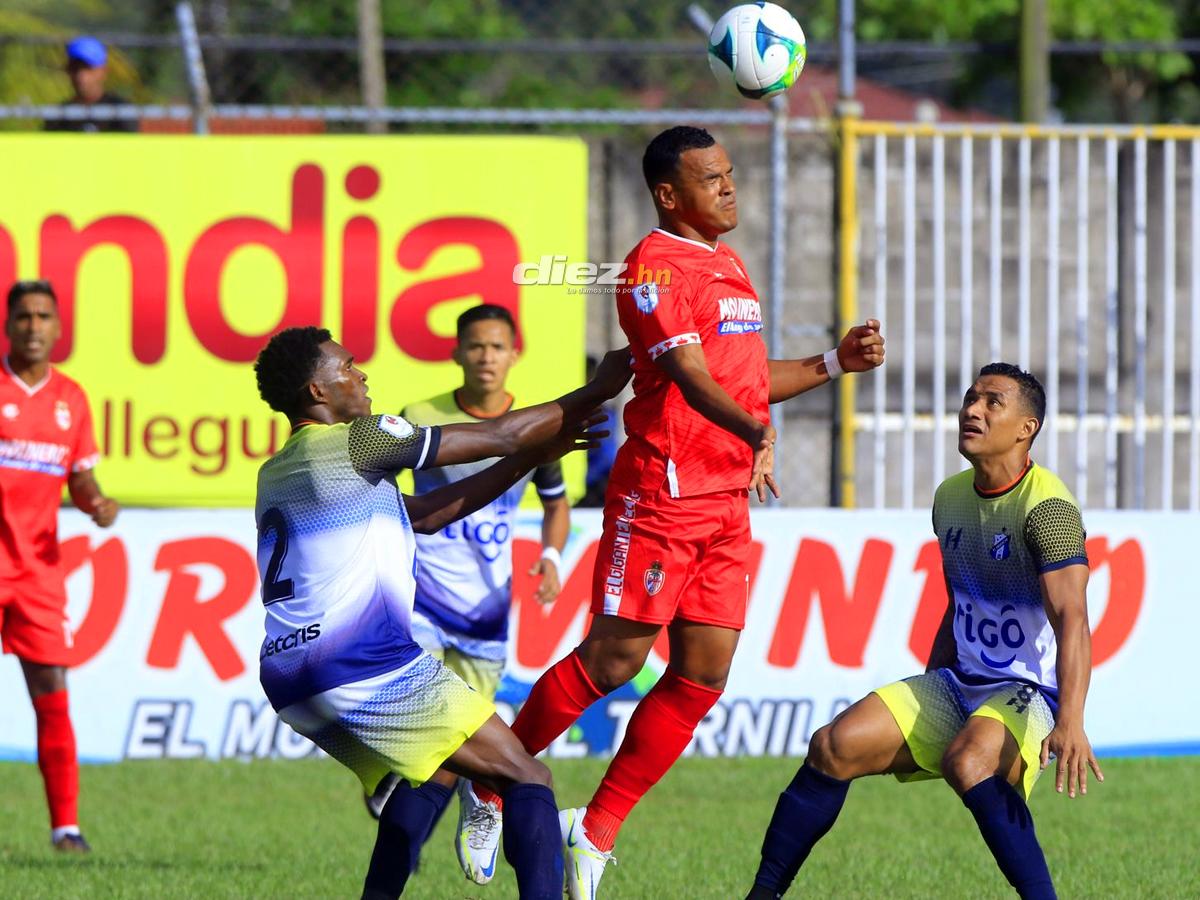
(662, 559)
(33, 620)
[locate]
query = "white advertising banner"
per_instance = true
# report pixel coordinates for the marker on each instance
(168, 623)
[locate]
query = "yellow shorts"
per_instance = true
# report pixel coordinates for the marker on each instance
(932, 708)
(408, 721)
(481, 674)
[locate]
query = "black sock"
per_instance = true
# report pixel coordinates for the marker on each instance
(443, 801)
(403, 826)
(533, 841)
(1007, 827)
(806, 810)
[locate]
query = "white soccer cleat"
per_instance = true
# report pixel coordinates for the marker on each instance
(583, 864)
(478, 838)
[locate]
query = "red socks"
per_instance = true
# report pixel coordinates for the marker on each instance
(56, 757)
(557, 699)
(659, 731)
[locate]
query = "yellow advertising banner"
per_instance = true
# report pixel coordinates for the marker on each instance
(175, 258)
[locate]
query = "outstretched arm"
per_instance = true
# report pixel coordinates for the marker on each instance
(859, 351)
(522, 429)
(1064, 592)
(431, 512)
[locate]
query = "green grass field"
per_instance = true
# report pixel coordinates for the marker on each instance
(298, 829)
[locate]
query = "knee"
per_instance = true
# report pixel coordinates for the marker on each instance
(610, 668)
(826, 753)
(964, 766)
(521, 768)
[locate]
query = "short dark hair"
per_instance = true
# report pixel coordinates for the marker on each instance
(21, 289)
(1031, 390)
(660, 162)
(286, 364)
(482, 313)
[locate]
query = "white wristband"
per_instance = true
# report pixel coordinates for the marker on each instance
(553, 555)
(832, 366)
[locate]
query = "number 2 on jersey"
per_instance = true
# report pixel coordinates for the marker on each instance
(274, 589)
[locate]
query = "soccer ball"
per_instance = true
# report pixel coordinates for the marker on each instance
(758, 48)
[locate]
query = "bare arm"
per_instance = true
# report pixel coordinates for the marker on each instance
(1064, 592)
(556, 525)
(687, 367)
(431, 512)
(522, 429)
(88, 499)
(944, 652)
(859, 351)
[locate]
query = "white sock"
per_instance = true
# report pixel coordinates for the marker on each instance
(62, 831)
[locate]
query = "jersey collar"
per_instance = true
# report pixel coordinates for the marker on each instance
(1001, 491)
(20, 382)
(676, 237)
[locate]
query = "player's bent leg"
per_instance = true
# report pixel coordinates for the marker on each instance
(862, 740)
(662, 725)
(982, 764)
(57, 759)
(612, 653)
(532, 840)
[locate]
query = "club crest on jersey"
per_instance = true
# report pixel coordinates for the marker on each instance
(654, 578)
(1001, 545)
(10, 410)
(62, 414)
(646, 297)
(396, 426)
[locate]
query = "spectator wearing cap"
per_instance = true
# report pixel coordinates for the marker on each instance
(87, 67)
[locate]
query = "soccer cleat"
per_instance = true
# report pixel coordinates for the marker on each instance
(583, 863)
(383, 791)
(477, 841)
(72, 843)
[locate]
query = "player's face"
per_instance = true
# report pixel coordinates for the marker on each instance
(993, 418)
(704, 194)
(33, 327)
(486, 353)
(343, 386)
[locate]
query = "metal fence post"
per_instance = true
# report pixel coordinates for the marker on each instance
(194, 64)
(777, 250)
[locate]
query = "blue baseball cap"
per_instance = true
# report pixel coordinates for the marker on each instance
(87, 50)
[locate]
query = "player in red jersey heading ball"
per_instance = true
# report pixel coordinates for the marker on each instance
(676, 539)
(46, 440)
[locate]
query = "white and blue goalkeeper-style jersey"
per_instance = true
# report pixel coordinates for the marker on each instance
(995, 547)
(335, 555)
(464, 571)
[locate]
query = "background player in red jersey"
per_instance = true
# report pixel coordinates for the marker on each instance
(676, 521)
(46, 440)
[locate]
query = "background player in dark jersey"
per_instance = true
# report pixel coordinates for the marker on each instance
(676, 539)
(1009, 669)
(46, 440)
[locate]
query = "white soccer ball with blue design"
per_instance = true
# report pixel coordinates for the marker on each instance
(759, 48)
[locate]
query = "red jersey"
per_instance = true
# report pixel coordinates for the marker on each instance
(699, 295)
(45, 435)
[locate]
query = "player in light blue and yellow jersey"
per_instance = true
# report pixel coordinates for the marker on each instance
(335, 553)
(464, 572)
(1008, 672)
